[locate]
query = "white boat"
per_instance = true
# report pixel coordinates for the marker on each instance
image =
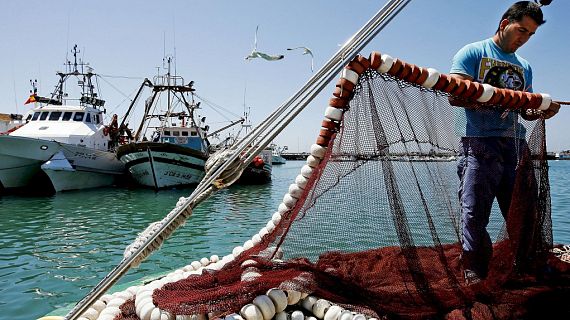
(171, 147)
(277, 152)
(67, 142)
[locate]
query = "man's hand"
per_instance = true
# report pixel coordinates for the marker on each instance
(533, 114)
(552, 110)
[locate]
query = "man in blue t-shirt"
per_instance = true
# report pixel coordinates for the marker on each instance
(492, 138)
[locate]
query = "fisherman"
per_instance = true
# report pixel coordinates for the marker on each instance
(113, 130)
(491, 137)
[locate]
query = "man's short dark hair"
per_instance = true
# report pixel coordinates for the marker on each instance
(518, 10)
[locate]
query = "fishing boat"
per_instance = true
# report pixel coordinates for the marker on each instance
(64, 138)
(259, 169)
(277, 152)
(170, 147)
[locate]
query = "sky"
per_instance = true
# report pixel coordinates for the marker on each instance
(125, 41)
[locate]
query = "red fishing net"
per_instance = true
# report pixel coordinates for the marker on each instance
(377, 228)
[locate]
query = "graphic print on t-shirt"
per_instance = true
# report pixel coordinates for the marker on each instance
(501, 74)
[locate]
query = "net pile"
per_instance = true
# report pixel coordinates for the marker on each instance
(373, 224)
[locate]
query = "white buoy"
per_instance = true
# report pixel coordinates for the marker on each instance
(289, 201)
(270, 226)
(293, 296)
(279, 299)
(431, 80)
(295, 191)
(251, 312)
(359, 316)
(265, 305)
(276, 218)
(233, 316)
(333, 313)
(546, 101)
(237, 251)
(301, 181)
(256, 239)
(333, 113)
(318, 151)
(346, 315)
(488, 91)
(263, 232)
(312, 161)
(306, 171)
(283, 208)
(349, 75)
(116, 302)
(281, 316)
(196, 265)
(90, 314)
(308, 303)
(320, 308)
(248, 245)
(297, 315)
(386, 65)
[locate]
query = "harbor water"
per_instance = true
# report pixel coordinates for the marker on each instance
(53, 250)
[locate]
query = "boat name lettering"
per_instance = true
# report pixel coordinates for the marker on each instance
(85, 155)
(177, 174)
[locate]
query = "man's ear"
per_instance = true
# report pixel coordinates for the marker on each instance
(503, 24)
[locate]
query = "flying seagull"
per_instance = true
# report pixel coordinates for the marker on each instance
(256, 54)
(305, 51)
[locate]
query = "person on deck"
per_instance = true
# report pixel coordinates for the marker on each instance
(492, 138)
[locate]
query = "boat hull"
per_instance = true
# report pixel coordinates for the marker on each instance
(259, 170)
(162, 165)
(21, 158)
(77, 168)
(255, 175)
(276, 159)
(75, 180)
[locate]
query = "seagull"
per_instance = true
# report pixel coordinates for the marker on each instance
(256, 54)
(305, 51)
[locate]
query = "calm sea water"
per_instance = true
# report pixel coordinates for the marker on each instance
(54, 249)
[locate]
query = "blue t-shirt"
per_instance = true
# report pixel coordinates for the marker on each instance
(486, 62)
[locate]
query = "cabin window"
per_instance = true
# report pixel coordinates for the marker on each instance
(36, 116)
(88, 117)
(54, 116)
(66, 116)
(78, 116)
(176, 133)
(193, 133)
(97, 119)
(184, 133)
(44, 115)
(166, 133)
(28, 117)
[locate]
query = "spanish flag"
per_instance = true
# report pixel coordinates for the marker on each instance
(31, 99)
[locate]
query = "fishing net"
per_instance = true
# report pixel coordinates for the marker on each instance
(373, 223)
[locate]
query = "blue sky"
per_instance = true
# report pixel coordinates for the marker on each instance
(211, 38)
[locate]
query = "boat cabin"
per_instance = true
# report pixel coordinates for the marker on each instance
(192, 137)
(78, 125)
